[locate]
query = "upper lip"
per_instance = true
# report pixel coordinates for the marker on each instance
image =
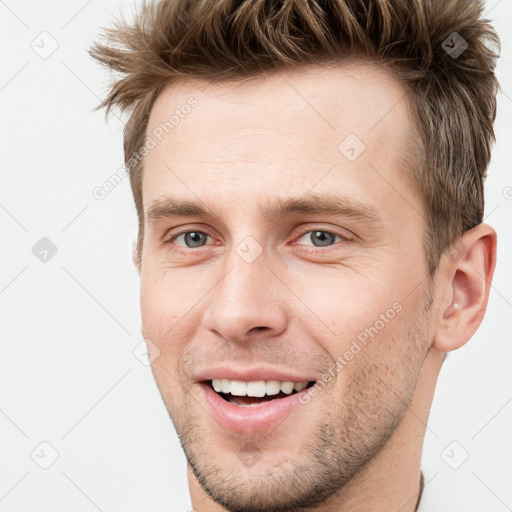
(253, 373)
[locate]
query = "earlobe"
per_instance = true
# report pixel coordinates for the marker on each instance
(468, 279)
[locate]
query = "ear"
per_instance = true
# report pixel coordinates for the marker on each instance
(135, 260)
(467, 269)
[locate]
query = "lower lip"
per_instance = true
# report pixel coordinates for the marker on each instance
(259, 418)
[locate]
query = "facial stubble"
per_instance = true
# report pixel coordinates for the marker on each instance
(352, 431)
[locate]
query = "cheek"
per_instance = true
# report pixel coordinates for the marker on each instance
(365, 332)
(370, 354)
(167, 296)
(165, 310)
(352, 306)
(379, 378)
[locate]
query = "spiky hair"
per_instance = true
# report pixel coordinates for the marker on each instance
(452, 95)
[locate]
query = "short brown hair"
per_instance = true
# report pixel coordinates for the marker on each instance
(452, 97)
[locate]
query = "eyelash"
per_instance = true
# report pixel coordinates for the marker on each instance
(319, 249)
(312, 249)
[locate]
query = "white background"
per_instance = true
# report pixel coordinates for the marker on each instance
(68, 374)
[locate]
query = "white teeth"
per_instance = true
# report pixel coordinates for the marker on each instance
(287, 387)
(226, 384)
(299, 386)
(273, 387)
(258, 388)
(238, 388)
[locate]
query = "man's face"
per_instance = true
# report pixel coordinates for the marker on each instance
(333, 297)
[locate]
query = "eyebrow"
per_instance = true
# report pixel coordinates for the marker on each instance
(273, 209)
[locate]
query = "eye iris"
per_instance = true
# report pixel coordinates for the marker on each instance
(196, 238)
(329, 236)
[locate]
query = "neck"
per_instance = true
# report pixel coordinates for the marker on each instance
(390, 482)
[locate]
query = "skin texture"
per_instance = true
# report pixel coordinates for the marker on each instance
(357, 444)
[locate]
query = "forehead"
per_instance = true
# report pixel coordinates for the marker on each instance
(358, 96)
(270, 131)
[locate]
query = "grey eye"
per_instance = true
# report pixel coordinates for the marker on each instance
(194, 239)
(324, 237)
(320, 238)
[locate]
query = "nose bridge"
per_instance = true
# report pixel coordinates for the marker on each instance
(246, 297)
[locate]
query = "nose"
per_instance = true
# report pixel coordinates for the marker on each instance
(247, 302)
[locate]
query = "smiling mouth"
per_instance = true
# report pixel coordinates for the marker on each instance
(242, 393)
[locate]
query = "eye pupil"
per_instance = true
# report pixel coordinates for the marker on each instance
(322, 237)
(195, 236)
(319, 238)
